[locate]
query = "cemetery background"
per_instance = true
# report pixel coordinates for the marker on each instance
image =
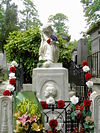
(74, 86)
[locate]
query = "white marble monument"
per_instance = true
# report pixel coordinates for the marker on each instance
(50, 82)
(6, 114)
(50, 79)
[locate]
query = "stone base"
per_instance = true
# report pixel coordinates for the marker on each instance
(27, 87)
(54, 76)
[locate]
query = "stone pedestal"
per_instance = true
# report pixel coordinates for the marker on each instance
(6, 114)
(52, 81)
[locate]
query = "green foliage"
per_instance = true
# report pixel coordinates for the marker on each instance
(29, 15)
(5, 76)
(59, 23)
(24, 46)
(92, 10)
(66, 51)
(8, 20)
(29, 107)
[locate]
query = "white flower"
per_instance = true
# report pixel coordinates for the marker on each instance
(10, 88)
(74, 99)
(89, 84)
(86, 69)
(12, 76)
(50, 100)
(14, 63)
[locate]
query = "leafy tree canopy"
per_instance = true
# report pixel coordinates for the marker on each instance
(59, 22)
(8, 20)
(29, 15)
(24, 47)
(92, 10)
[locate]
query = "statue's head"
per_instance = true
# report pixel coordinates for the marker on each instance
(48, 30)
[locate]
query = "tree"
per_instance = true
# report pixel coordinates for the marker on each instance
(58, 21)
(24, 47)
(8, 21)
(92, 10)
(29, 15)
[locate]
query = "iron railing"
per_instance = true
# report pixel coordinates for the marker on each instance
(77, 80)
(63, 117)
(94, 64)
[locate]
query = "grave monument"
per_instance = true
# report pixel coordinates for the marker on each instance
(50, 79)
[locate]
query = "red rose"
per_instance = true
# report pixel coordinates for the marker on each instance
(84, 63)
(60, 104)
(89, 93)
(49, 41)
(6, 93)
(53, 123)
(81, 108)
(12, 81)
(77, 107)
(87, 76)
(49, 131)
(44, 105)
(79, 115)
(87, 103)
(12, 69)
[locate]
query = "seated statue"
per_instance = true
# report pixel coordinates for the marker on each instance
(48, 51)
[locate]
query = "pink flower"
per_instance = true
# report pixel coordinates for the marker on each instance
(24, 119)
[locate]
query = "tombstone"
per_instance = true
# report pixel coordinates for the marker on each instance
(82, 50)
(52, 80)
(6, 114)
(96, 113)
(74, 55)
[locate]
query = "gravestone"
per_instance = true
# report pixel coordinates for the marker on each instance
(52, 80)
(96, 112)
(6, 114)
(82, 50)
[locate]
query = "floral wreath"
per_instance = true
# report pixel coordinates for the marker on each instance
(12, 80)
(81, 107)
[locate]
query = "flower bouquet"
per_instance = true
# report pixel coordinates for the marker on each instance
(27, 115)
(81, 113)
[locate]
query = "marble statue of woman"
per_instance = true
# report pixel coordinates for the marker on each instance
(48, 51)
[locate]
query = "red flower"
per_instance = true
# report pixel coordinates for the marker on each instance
(44, 105)
(81, 108)
(12, 81)
(12, 69)
(77, 107)
(6, 93)
(87, 103)
(60, 104)
(84, 63)
(76, 130)
(87, 76)
(49, 131)
(53, 123)
(89, 93)
(49, 41)
(79, 115)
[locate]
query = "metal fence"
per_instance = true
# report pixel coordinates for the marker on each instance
(63, 116)
(94, 64)
(77, 80)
